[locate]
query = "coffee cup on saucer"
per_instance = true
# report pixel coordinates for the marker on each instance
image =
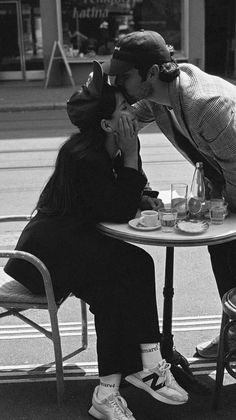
(149, 218)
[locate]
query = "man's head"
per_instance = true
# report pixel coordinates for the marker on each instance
(142, 50)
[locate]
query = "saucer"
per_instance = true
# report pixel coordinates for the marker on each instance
(134, 223)
(192, 227)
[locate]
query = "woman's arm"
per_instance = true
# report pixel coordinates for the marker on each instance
(107, 196)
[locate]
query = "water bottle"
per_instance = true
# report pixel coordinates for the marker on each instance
(196, 203)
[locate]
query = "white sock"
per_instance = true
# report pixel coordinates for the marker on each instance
(151, 355)
(108, 385)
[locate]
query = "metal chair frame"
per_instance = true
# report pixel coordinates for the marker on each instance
(225, 356)
(15, 308)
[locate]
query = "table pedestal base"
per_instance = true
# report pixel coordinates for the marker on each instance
(184, 376)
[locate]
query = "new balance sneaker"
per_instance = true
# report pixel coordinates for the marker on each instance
(160, 384)
(114, 407)
(208, 349)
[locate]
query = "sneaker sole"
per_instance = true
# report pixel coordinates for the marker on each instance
(95, 413)
(150, 391)
(204, 356)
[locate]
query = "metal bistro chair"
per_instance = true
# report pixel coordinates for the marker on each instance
(15, 299)
(225, 357)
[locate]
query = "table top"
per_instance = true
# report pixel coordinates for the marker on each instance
(215, 234)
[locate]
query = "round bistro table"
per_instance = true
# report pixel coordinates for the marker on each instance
(215, 234)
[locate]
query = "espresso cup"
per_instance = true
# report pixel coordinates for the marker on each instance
(149, 218)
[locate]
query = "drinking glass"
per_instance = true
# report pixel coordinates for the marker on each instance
(179, 202)
(167, 218)
(218, 211)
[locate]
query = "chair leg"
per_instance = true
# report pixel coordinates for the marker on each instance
(58, 356)
(84, 324)
(220, 362)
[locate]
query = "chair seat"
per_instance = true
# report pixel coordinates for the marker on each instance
(229, 303)
(12, 292)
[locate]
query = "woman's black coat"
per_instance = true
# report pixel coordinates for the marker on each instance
(69, 245)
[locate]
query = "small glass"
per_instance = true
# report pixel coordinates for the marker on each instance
(168, 219)
(218, 211)
(179, 202)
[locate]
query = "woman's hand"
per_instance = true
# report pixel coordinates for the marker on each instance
(127, 140)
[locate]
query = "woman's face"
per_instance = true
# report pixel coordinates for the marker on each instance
(111, 126)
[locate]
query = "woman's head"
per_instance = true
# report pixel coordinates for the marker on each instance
(94, 102)
(96, 110)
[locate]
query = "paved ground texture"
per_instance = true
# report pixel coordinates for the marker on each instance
(16, 95)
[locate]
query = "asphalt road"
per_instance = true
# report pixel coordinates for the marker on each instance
(29, 143)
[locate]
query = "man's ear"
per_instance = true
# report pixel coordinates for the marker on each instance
(105, 124)
(153, 72)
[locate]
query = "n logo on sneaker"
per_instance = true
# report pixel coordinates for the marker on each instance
(154, 378)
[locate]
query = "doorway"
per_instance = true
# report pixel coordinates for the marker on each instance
(21, 48)
(220, 37)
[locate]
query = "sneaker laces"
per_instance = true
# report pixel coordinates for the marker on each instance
(164, 370)
(163, 367)
(120, 407)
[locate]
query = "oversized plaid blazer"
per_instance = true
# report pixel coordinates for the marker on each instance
(205, 108)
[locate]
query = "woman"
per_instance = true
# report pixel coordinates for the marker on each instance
(98, 177)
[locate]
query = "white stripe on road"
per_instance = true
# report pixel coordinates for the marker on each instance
(80, 371)
(68, 329)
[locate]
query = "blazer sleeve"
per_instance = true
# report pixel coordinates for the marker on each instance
(106, 195)
(219, 131)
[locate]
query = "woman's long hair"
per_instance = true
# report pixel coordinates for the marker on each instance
(57, 197)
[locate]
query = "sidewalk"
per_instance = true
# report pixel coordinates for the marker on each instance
(37, 401)
(26, 96)
(32, 96)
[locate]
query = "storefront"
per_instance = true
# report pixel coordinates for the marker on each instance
(89, 29)
(21, 48)
(92, 27)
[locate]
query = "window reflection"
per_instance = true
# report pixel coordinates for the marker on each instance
(93, 27)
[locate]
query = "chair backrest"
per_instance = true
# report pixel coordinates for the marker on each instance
(32, 259)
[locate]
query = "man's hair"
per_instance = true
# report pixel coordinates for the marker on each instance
(167, 71)
(141, 50)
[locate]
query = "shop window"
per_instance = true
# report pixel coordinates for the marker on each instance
(93, 27)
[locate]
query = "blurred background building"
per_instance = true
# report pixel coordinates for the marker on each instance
(202, 32)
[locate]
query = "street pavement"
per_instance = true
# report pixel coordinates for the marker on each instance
(25, 164)
(32, 95)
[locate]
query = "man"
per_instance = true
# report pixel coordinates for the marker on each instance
(196, 112)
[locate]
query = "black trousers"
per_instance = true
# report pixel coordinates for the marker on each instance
(223, 260)
(114, 277)
(120, 289)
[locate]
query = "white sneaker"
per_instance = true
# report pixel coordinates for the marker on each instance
(209, 349)
(114, 407)
(160, 383)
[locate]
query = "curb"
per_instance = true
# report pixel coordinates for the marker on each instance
(32, 107)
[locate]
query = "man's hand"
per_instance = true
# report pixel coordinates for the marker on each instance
(149, 203)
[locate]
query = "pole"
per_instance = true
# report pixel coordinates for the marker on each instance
(59, 22)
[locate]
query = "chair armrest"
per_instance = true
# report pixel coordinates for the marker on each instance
(41, 267)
